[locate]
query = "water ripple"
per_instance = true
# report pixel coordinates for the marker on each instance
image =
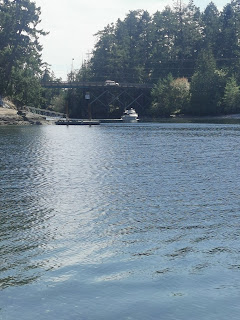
(115, 204)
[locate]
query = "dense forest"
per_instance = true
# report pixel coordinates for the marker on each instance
(191, 57)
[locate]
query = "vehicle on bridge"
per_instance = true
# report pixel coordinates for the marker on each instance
(111, 83)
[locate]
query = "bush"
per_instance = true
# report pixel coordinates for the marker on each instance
(231, 99)
(170, 96)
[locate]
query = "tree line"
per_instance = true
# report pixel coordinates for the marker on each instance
(191, 57)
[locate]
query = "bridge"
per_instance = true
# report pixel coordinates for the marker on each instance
(89, 85)
(107, 93)
(113, 95)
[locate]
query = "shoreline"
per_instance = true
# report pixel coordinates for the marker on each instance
(11, 117)
(223, 119)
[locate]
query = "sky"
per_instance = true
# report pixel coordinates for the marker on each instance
(72, 24)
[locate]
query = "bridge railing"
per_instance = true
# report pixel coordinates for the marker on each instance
(43, 112)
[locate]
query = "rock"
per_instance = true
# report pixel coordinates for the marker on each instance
(14, 117)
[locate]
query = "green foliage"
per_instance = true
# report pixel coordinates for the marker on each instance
(181, 94)
(169, 96)
(228, 38)
(231, 99)
(58, 102)
(188, 36)
(124, 46)
(207, 86)
(142, 48)
(25, 89)
(211, 26)
(202, 49)
(49, 96)
(20, 51)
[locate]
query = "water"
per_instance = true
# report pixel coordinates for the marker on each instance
(135, 221)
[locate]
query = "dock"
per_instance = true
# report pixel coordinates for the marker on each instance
(77, 122)
(110, 120)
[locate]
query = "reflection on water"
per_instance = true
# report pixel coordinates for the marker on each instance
(136, 216)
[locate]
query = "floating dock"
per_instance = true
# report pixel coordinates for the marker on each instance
(75, 122)
(110, 120)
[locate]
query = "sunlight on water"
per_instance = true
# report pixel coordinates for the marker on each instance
(120, 222)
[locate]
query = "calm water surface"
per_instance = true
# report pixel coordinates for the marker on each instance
(138, 221)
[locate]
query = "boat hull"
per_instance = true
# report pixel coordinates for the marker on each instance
(130, 116)
(129, 119)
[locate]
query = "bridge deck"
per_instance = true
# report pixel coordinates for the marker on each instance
(87, 85)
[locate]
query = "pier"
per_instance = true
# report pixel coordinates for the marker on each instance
(76, 122)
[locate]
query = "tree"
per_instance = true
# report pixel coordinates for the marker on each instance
(58, 102)
(163, 40)
(228, 41)
(103, 65)
(231, 99)
(207, 86)
(123, 50)
(48, 95)
(20, 50)
(170, 95)
(181, 94)
(211, 27)
(26, 88)
(188, 37)
(182, 41)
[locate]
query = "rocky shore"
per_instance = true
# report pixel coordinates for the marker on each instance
(13, 117)
(10, 116)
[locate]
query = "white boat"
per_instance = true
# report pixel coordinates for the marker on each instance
(130, 115)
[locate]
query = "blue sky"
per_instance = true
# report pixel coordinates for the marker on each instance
(72, 24)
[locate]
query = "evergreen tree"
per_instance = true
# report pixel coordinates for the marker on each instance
(20, 51)
(164, 60)
(188, 37)
(206, 86)
(180, 40)
(231, 99)
(103, 55)
(211, 27)
(228, 44)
